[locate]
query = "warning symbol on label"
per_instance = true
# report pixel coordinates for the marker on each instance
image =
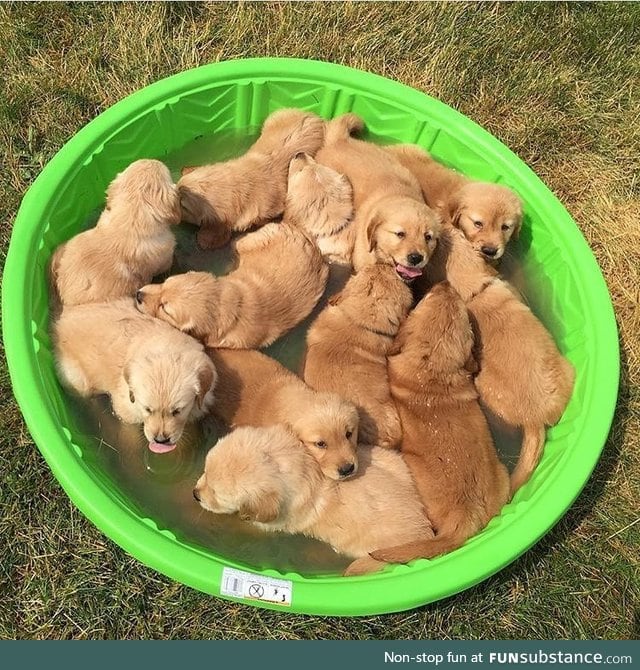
(256, 590)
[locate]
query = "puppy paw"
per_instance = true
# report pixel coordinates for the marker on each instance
(363, 566)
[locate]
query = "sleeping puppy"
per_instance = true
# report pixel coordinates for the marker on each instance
(347, 347)
(155, 375)
(320, 201)
(530, 396)
(280, 276)
(264, 476)
(258, 391)
(248, 191)
(392, 224)
(131, 243)
(446, 440)
(488, 214)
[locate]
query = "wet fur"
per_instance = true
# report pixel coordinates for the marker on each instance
(348, 343)
(264, 476)
(446, 440)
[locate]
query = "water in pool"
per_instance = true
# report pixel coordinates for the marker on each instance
(160, 485)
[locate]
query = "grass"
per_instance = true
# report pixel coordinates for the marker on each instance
(558, 83)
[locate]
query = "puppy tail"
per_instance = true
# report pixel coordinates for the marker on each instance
(530, 453)
(304, 135)
(403, 553)
(342, 128)
(363, 566)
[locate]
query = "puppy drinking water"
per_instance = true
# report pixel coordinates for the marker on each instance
(131, 243)
(347, 346)
(155, 375)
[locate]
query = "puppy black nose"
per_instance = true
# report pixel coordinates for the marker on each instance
(196, 495)
(346, 469)
(139, 297)
(489, 251)
(415, 258)
(161, 439)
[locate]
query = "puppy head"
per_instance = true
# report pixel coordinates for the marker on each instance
(488, 215)
(145, 194)
(187, 302)
(169, 389)
(403, 232)
(329, 430)
(376, 298)
(437, 336)
(256, 473)
(319, 199)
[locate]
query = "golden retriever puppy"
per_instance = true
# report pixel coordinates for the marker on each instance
(347, 347)
(392, 224)
(320, 201)
(488, 214)
(280, 276)
(131, 243)
(264, 476)
(258, 391)
(248, 191)
(446, 440)
(523, 378)
(155, 375)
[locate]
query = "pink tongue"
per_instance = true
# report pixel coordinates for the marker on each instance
(408, 273)
(159, 448)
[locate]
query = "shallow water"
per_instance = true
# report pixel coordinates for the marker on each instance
(161, 485)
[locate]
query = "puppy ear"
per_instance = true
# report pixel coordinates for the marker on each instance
(206, 378)
(517, 228)
(264, 510)
(126, 373)
(374, 223)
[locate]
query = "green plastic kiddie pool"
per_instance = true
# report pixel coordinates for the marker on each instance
(565, 289)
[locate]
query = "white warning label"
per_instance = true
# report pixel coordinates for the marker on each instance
(250, 586)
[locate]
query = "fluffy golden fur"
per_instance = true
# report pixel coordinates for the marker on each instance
(131, 243)
(155, 375)
(488, 214)
(248, 191)
(279, 278)
(523, 378)
(263, 475)
(320, 201)
(347, 346)
(446, 440)
(392, 224)
(257, 391)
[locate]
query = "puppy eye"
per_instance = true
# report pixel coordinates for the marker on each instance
(147, 410)
(176, 411)
(478, 224)
(505, 227)
(348, 434)
(162, 307)
(401, 234)
(321, 444)
(428, 237)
